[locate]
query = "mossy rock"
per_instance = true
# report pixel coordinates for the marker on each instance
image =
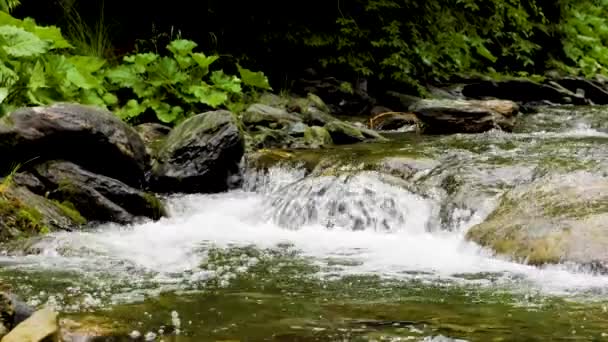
(316, 136)
(24, 214)
(559, 218)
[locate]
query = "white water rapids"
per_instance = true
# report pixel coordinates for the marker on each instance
(361, 224)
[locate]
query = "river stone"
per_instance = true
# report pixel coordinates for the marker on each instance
(42, 326)
(91, 137)
(60, 176)
(593, 91)
(462, 116)
(315, 137)
(559, 218)
(24, 213)
(202, 154)
(522, 91)
(344, 133)
(263, 115)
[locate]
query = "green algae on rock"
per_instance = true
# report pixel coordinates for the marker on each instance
(558, 218)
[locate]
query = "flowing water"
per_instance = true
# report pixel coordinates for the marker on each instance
(361, 243)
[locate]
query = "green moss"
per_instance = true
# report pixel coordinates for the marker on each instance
(68, 209)
(19, 219)
(156, 205)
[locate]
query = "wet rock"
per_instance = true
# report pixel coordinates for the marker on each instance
(202, 154)
(93, 138)
(263, 115)
(344, 133)
(24, 213)
(559, 218)
(591, 90)
(91, 204)
(13, 311)
(152, 134)
(31, 182)
(342, 98)
(65, 178)
(42, 326)
(270, 138)
(297, 129)
(462, 116)
(524, 91)
(315, 137)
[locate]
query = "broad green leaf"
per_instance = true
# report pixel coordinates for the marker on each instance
(141, 61)
(164, 111)
(37, 77)
(8, 76)
(50, 34)
(184, 61)
(131, 109)
(204, 61)
(87, 64)
(18, 42)
(110, 99)
(166, 72)
(254, 79)
(181, 47)
(82, 79)
(123, 75)
(225, 82)
(90, 97)
(209, 96)
(3, 94)
(7, 19)
(484, 52)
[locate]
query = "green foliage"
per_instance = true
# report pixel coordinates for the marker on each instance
(409, 41)
(9, 5)
(37, 68)
(177, 85)
(585, 31)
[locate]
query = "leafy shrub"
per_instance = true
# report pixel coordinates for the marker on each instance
(37, 68)
(178, 84)
(585, 36)
(34, 68)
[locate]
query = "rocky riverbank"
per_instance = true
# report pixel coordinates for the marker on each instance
(69, 167)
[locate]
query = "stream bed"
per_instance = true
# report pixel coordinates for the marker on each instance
(358, 243)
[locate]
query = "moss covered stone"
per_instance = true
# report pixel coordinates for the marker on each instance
(559, 218)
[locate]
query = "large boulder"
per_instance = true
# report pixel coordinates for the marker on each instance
(523, 91)
(202, 154)
(465, 116)
(559, 218)
(107, 199)
(91, 137)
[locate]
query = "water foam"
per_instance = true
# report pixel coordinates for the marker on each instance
(171, 250)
